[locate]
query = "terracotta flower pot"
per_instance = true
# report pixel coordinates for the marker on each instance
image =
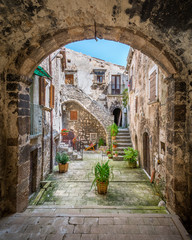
(102, 187)
(116, 155)
(113, 137)
(63, 167)
(114, 145)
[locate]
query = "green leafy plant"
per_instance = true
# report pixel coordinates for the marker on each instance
(125, 97)
(102, 172)
(114, 143)
(130, 155)
(101, 142)
(110, 155)
(62, 158)
(113, 129)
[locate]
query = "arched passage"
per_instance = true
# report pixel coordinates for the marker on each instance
(117, 116)
(31, 32)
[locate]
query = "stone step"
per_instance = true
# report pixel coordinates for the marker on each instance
(123, 139)
(59, 210)
(118, 158)
(123, 136)
(121, 144)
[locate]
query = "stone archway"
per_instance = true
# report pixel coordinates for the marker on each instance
(33, 30)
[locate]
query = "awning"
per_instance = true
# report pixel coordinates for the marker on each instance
(41, 72)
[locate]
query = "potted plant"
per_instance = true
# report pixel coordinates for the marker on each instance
(101, 142)
(64, 132)
(102, 173)
(116, 154)
(114, 144)
(114, 130)
(131, 157)
(108, 151)
(62, 159)
(110, 156)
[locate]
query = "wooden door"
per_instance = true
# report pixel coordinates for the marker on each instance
(33, 172)
(146, 153)
(116, 84)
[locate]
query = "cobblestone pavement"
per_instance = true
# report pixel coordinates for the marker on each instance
(46, 224)
(129, 187)
(70, 211)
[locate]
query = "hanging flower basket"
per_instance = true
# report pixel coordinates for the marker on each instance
(64, 132)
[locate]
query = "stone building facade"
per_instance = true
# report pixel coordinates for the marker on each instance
(148, 96)
(89, 82)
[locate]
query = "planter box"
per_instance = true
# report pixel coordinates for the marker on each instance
(102, 187)
(63, 167)
(132, 164)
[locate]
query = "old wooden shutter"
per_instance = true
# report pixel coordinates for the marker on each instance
(152, 80)
(73, 115)
(42, 85)
(69, 79)
(136, 104)
(52, 96)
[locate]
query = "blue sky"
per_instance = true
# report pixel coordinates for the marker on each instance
(109, 51)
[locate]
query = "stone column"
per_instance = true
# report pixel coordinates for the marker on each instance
(15, 135)
(176, 180)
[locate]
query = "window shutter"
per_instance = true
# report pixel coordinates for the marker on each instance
(73, 115)
(52, 96)
(136, 104)
(69, 79)
(42, 85)
(152, 80)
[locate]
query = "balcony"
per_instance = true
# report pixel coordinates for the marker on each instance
(116, 89)
(36, 119)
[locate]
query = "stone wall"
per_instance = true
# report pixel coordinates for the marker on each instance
(30, 32)
(149, 117)
(85, 124)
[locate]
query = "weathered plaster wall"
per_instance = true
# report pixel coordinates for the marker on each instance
(85, 77)
(84, 125)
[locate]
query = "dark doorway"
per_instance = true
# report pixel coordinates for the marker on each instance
(146, 153)
(118, 116)
(33, 172)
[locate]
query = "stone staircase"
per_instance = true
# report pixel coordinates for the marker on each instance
(73, 93)
(123, 140)
(73, 154)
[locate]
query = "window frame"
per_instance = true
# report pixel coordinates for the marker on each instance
(70, 115)
(152, 70)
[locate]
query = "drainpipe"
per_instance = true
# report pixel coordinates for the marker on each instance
(42, 144)
(51, 114)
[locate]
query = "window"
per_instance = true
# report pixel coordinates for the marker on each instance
(93, 137)
(99, 75)
(42, 90)
(116, 84)
(153, 83)
(73, 115)
(69, 79)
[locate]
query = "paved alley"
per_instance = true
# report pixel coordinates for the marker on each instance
(69, 210)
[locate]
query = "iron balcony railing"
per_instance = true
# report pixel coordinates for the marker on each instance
(36, 119)
(116, 89)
